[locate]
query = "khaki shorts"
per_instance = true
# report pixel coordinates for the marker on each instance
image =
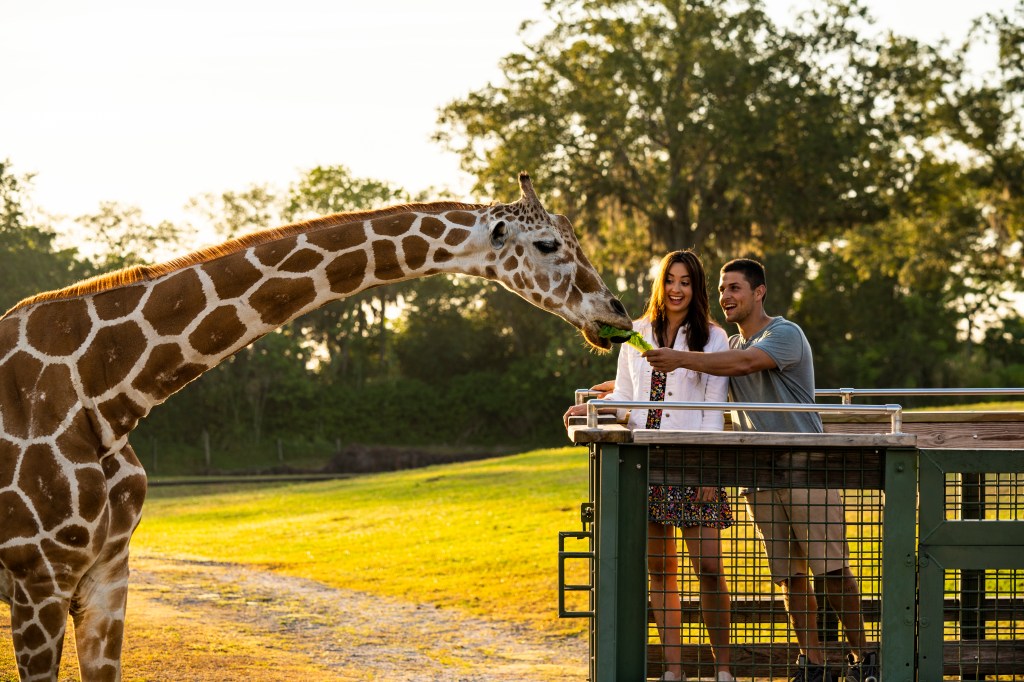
(800, 528)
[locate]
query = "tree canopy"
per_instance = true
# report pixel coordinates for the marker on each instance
(881, 181)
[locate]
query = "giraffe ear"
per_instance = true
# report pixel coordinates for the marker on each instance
(499, 232)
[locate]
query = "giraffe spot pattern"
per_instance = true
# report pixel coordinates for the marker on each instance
(218, 331)
(456, 236)
(59, 328)
(443, 256)
(339, 238)
(24, 370)
(92, 498)
(34, 637)
(124, 514)
(73, 535)
(276, 251)
(111, 355)
(80, 442)
(232, 275)
(166, 371)
(175, 302)
(63, 559)
(432, 227)
(415, 249)
(386, 264)
(575, 298)
(117, 303)
(9, 453)
(303, 260)
(42, 479)
(122, 413)
(347, 271)
(393, 226)
(9, 335)
(279, 299)
(50, 400)
(587, 282)
(461, 218)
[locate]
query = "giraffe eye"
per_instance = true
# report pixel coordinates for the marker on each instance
(547, 246)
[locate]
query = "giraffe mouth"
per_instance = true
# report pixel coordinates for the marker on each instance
(591, 332)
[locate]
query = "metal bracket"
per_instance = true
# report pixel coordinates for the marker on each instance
(563, 556)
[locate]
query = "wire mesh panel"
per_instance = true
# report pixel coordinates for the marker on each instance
(972, 565)
(718, 605)
(983, 609)
(984, 625)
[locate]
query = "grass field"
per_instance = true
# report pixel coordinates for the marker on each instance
(480, 536)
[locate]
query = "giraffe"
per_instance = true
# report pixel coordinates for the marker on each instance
(79, 367)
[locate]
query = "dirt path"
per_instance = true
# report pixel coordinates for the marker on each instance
(192, 620)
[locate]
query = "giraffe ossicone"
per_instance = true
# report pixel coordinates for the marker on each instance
(79, 367)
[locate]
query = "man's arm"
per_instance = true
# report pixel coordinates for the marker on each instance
(727, 363)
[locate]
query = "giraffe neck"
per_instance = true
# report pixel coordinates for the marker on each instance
(129, 347)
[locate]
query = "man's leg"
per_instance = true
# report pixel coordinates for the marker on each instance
(802, 607)
(844, 597)
(770, 510)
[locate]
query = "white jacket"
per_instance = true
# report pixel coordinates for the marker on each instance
(633, 382)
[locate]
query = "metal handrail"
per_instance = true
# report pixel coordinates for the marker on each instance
(895, 412)
(847, 393)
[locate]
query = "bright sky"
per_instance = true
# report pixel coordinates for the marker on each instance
(149, 104)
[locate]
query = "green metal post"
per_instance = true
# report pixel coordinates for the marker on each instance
(899, 520)
(931, 574)
(621, 581)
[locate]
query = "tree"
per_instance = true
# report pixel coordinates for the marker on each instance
(117, 237)
(702, 121)
(32, 262)
(232, 214)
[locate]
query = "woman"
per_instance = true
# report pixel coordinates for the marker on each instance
(678, 316)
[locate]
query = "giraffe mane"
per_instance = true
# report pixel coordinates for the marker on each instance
(143, 273)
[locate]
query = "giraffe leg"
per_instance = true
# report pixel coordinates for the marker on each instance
(98, 611)
(100, 599)
(39, 618)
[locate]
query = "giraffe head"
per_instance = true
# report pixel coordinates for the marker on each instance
(536, 255)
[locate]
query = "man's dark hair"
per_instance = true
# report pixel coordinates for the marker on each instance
(751, 270)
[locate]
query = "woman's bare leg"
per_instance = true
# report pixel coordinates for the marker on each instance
(704, 547)
(663, 567)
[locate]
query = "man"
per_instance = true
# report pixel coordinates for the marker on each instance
(803, 530)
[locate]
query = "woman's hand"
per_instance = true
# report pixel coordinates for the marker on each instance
(603, 389)
(574, 411)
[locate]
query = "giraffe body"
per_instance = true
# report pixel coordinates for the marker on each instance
(81, 366)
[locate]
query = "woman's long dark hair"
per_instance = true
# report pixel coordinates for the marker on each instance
(698, 317)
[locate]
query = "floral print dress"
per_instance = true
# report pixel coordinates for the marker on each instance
(675, 505)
